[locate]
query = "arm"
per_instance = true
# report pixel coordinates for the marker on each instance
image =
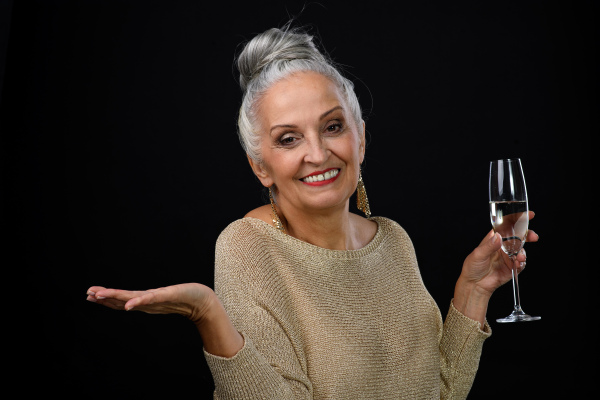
(240, 371)
(219, 336)
(271, 365)
(460, 350)
(196, 302)
(465, 328)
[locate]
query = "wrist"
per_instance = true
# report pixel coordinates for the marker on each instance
(219, 336)
(471, 300)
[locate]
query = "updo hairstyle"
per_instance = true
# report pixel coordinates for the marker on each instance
(270, 57)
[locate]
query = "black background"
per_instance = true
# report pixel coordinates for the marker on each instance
(121, 165)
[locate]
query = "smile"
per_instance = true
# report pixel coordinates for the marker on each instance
(328, 175)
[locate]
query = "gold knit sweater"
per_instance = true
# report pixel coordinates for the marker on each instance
(336, 324)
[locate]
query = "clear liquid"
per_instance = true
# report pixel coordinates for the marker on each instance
(511, 220)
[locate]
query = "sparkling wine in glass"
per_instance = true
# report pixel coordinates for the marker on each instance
(509, 212)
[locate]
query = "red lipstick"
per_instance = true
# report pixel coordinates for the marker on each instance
(320, 178)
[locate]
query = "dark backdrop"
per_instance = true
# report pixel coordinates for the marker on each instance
(121, 165)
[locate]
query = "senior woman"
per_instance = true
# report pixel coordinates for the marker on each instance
(312, 301)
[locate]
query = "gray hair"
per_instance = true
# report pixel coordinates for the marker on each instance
(270, 57)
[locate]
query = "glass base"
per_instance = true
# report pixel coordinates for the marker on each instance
(518, 316)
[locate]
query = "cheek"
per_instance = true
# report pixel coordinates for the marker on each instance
(350, 150)
(282, 165)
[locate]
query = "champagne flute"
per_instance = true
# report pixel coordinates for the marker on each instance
(509, 212)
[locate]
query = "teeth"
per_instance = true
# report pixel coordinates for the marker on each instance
(322, 177)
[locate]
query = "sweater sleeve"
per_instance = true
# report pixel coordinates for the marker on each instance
(270, 365)
(460, 350)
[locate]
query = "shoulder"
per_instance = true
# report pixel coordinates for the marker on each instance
(246, 254)
(263, 213)
(248, 236)
(247, 229)
(242, 247)
(393, 233)
(389, 226)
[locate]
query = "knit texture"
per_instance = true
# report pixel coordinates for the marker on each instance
(336, 324)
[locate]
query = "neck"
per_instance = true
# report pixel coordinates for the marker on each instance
(330, 229)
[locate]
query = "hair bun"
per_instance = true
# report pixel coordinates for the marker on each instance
(273, 47)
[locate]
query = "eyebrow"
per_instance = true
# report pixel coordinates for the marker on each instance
(326, 113)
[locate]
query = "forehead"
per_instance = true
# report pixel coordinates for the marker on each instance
(298, 96)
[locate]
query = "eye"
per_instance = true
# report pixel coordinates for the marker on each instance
(287, 140)
(334, 127)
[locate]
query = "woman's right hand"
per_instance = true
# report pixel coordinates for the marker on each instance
(194, 301)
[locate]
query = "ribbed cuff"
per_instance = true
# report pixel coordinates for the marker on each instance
(463, 340)
(460, 348)
(246, 375)
(456, 317)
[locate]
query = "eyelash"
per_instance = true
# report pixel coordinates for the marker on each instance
(338, 125)
(283, 141)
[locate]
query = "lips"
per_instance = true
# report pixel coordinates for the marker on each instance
(321, 177)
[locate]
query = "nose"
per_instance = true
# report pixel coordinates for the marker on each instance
(316, 152)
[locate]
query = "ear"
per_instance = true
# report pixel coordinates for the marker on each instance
(261, 173)
(363, 142)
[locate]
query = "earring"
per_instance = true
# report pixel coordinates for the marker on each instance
(275, 217)
(362, 202)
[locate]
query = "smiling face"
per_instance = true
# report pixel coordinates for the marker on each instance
(311, 147)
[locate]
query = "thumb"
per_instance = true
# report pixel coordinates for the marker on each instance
(489, 245)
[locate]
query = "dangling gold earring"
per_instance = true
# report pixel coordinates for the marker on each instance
(274, 216)
(362, 202)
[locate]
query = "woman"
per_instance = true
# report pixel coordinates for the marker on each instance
(312, 301)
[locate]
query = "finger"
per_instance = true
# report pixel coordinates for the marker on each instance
(146, 299)
(111, 303)
(531, 215)
(518, 262)
(112, 294)
(487, 237)
(101, 293)
(149, 297)
(489, 245)
(532, 236)
(94, 289)
(91, 298)
(521, 256)
(118, 294)
(519, 266)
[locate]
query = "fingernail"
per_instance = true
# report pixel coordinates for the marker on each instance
(90, 293)
(100, 297)
(494, 238)
(91, 298)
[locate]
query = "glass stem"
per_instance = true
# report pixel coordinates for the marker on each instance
(516, 295)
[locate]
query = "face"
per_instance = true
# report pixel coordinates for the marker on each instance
(311, 147)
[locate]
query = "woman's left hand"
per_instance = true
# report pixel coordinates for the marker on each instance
(484, 270)
(488, 267)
